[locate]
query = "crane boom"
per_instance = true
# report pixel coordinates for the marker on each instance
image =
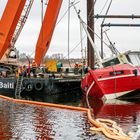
(47, 29)
(20, 24)
(21, 21)
(8, 23)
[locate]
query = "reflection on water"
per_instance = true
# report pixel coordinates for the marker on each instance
(66, 98)
(125, 113)
(20, 121)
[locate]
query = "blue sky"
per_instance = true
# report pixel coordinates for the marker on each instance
(125, 38)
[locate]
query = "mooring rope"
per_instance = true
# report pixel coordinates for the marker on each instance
(111, 125)
(106, 126)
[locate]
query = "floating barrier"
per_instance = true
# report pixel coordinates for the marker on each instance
(107, 127)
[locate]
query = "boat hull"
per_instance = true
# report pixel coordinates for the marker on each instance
(39, 85)
(111, 86)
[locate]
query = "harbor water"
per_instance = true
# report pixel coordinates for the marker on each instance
(23, 121)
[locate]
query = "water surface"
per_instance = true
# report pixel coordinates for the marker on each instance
(22, 121)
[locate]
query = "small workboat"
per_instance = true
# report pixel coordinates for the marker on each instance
(119, 76)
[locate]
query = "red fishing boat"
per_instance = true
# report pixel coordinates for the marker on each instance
(118, 77)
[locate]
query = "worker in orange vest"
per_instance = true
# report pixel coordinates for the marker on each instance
(19, 71)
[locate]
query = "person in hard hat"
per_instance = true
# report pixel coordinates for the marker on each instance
(28, 70)
(34, 67)
(76, 68)
(24, 71)
(19, 71)
(59, 67)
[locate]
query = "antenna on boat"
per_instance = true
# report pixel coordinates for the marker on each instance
(111, 46)
(99, 59)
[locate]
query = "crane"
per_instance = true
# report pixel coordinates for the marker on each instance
(47, 29)
(11, 25)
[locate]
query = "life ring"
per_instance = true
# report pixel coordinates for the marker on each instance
(29, 87)
(39, 85)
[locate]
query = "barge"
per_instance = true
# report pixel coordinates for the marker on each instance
(13, 86)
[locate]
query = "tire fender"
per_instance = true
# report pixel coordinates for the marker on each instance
(39, 85)
(29, 87)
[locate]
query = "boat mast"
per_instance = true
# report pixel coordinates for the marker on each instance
(90, 23)
(84, 25)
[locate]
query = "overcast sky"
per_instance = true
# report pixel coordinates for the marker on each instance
(125, 38)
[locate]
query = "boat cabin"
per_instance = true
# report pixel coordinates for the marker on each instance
(127, 57)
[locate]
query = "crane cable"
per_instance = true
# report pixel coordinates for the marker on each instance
(69, 32)
(42, 12)
(85, 35)
(66, 12)
(33, 52)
